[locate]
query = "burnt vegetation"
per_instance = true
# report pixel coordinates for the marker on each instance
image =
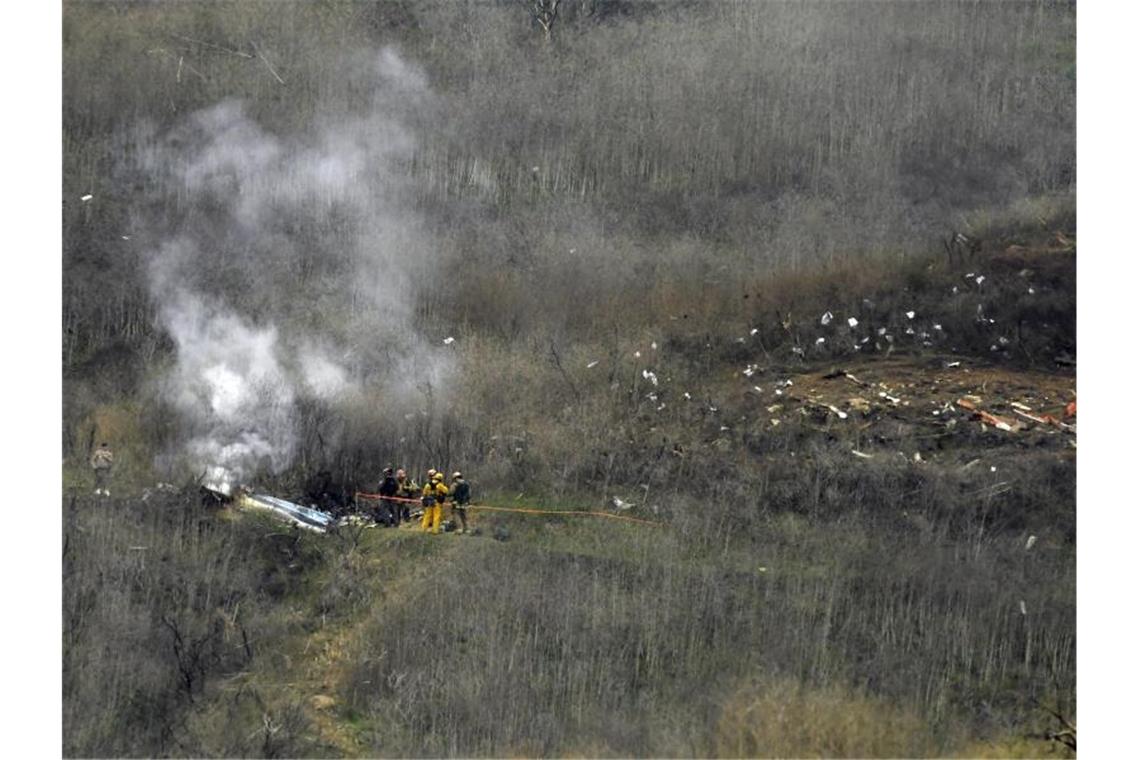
(619, 207)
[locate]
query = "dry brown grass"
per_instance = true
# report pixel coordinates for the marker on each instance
(785, 718)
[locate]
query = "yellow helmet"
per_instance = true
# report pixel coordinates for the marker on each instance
(437, 478)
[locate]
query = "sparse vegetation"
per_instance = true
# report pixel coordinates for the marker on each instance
(611, 218)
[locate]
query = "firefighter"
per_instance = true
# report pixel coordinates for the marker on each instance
(434, 494)
(440, 489)
(406, 488)
(389, 511)
(427, 498)
(460, 498)
(101, 463)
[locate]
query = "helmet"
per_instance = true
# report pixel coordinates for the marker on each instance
(437, 478)
(431, 472)
(456, 474)
(400, 473)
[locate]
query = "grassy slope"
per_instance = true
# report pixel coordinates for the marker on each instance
(801, 601)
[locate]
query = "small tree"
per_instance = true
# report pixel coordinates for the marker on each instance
(545, 12)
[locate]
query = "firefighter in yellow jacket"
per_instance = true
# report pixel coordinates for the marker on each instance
(435, 493)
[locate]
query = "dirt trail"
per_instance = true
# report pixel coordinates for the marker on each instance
(329, 653)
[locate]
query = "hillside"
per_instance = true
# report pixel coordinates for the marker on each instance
(894, 577)
(794, 282)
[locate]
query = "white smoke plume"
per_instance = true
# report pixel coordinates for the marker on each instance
(287, 269)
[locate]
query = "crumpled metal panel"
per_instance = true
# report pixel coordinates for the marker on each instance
(304, 517)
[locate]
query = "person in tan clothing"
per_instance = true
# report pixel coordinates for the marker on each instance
(101, 463)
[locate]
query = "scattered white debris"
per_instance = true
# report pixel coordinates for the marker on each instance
(774, 422)
(888, 397)
(757, 388)
(687, 396)
(852, 322)
(993, 469)
(650, 376)
(723, 428)
(651, 396)
(910, 331)
(779, 392)
(1003, 340)
(1029, 544)
(797, 351)
(448, 341)
(952, 365)
(761, 569)
(653, 345)
(954, 290)
(937, 327)
(865, 340)
(826, 318)
(980, 279)
(749, 371)
(838, 412)
(969, 276)
(861, 455)
(1021, 605)
(910, 315)
(636, 354)
(592, 364)
(534, 168)
(753, 331)
(126, 237)
(881, 331)
(740, 340)
(87, 197)
(1031, 291)
(820, 341)
(917, 457)
(661, 407)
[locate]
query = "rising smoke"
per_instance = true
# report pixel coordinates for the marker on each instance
(288, 267)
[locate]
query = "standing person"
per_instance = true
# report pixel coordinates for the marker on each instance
(101, 463)
(460, 498)
(427, 498)
(406, 488)
(440, 489)
(389, 510)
